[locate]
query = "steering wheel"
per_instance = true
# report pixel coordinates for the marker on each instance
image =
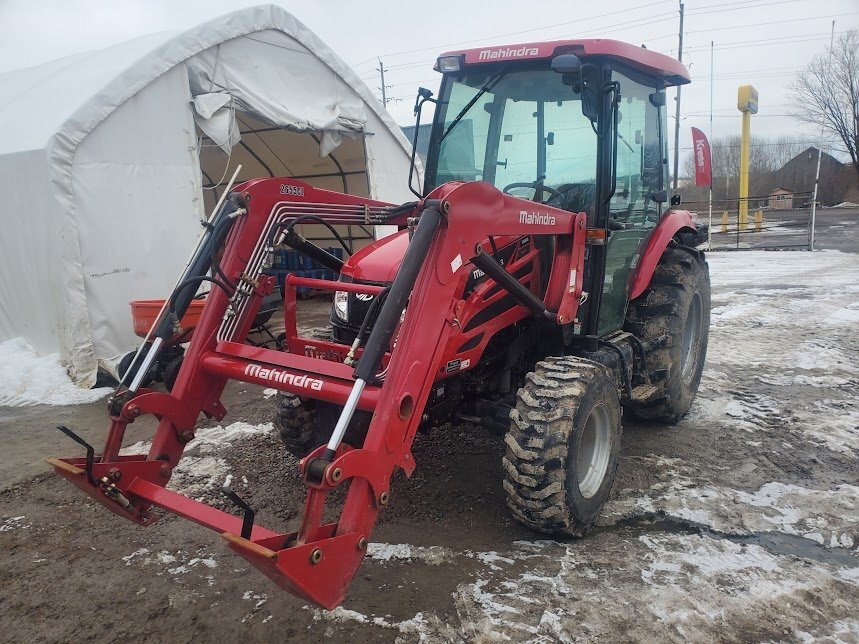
(524, 184)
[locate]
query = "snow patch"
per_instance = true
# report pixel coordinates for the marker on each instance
(13, 523)
(26, 378)
(201, 471)
(426, 628)
(433, 555)
(829, 517)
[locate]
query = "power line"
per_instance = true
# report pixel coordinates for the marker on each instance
(738, 44)
(512, 33)
(769, 23)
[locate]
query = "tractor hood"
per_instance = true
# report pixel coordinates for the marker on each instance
(378, 262)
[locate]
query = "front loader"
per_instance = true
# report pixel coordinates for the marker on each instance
(541, 314)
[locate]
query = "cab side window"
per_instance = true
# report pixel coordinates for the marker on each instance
(640, 165)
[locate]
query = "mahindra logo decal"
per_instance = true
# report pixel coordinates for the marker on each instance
(542, 219)
(364, 297)
(494, 54)
(284, 377)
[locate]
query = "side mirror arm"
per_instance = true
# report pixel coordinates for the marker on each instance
(423, 96)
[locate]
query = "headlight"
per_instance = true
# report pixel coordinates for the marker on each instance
(341, 299)
(448, 64)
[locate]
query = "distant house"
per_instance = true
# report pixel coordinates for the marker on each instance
(781, 198)
(838, 181)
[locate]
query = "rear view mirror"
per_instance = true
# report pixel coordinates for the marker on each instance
(675, 200)
(583, 78)
(590, 92)
(660, 196)
(566, 64)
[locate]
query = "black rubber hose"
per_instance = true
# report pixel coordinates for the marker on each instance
(520, 293)
(294, 222)
(181, 297)
(404, 282)
(195, 281)
(314, 252)
(373, 312)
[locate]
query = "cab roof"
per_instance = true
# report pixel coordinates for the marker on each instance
(671, 71)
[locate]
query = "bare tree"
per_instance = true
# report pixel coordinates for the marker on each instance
(766, 157)
(828, 91)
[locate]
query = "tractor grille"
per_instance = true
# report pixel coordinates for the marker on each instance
(357, 306)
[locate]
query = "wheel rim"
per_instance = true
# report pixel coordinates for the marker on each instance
(594, 451)
(689, 357)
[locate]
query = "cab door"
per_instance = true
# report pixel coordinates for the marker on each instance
(641, 171)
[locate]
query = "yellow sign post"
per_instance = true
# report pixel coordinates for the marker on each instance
(747, 103)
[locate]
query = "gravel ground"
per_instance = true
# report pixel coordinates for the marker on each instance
(740, 523)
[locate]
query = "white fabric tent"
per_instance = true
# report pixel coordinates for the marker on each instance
(109, 159)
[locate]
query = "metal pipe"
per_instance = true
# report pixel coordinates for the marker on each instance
(819, 156)
(344, 420)
(496, 271)
(153, 352)
(710, 198)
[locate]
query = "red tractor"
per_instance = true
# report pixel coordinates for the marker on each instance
(538, 285)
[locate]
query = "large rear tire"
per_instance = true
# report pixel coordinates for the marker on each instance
(672, 319)
(562, 446)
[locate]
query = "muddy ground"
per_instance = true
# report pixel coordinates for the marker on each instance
(740, 523)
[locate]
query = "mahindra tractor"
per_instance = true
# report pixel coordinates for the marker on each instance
(540, 283)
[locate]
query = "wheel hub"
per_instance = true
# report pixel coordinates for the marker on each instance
(594, 451)
(691, 333)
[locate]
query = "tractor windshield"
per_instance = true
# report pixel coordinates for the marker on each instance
(525, 133)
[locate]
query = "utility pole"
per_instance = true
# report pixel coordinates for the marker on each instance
(383, 88)
(710, 205)
(677, 111)
(819, 154)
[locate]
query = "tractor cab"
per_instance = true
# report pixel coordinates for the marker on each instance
(578, 125)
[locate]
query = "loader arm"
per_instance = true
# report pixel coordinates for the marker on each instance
(399, 364)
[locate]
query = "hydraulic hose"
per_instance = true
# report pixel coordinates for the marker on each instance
(404, 282)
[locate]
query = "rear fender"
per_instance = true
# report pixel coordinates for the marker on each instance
(671, 223)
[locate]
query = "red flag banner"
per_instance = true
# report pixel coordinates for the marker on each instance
(701, 153)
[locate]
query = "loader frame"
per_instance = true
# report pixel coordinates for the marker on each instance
(317, 561)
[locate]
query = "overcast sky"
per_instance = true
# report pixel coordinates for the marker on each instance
(762, 42)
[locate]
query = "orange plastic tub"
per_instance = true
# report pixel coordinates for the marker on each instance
(145, 312)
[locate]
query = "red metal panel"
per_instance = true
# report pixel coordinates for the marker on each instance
(329, 285)
(651, 62)
(302, 383)
(669, 225)
(287, 360)
(195, 511)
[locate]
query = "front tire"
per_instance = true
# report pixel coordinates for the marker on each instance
(672, 320)
(562, 446)
(305, 424)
